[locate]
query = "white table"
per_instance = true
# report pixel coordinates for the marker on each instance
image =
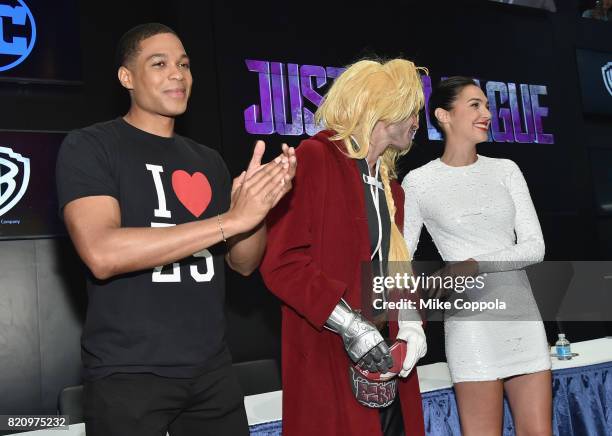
(436, 376)
(267, 407)
(592, 364)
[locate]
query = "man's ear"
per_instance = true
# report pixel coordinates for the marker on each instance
(442, 115)
(125, 77)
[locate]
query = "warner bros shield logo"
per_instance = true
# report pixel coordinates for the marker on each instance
(606, 71)
(14, 178)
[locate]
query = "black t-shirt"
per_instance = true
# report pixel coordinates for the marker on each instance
(168, 321)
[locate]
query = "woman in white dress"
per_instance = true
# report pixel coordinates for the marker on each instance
(480, 215)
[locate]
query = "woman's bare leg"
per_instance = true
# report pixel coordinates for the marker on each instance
(530, 398)
(481, 406)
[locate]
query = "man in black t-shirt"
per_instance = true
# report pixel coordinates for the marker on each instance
(153, 215)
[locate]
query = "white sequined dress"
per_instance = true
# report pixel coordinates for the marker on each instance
(483, 211)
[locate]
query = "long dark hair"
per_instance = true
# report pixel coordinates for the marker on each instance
(444, 96)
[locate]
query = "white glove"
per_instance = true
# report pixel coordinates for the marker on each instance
(412, 332)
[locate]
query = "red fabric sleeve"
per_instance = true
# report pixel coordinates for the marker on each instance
(288, 268)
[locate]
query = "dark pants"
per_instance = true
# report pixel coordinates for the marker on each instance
(149, 405)
(391, 419)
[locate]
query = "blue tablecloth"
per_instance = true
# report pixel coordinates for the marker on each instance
(582, 406)
(267, 429)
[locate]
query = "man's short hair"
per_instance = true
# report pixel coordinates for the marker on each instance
(129, 44)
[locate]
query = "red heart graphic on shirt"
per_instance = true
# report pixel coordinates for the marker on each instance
(193, 191)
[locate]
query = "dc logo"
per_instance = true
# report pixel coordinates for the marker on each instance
(606, 71)
(17, 33)
(14, 178)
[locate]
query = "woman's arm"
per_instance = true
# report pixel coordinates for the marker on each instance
(529, 247)
(413, 220)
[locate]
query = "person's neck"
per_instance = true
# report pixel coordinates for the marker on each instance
(375, 150)
(458, 154)
(154, 124)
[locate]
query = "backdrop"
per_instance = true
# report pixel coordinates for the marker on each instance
(259, 73)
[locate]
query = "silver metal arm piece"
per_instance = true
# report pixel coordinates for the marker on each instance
(358, 334)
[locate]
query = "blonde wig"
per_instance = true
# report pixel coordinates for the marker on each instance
(368, 92)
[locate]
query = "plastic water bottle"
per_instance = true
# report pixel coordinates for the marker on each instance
(563, 348)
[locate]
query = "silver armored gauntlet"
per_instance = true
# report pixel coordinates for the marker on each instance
(358, 334)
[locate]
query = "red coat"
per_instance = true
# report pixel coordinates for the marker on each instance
(317, 239)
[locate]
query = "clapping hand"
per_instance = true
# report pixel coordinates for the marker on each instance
(261, 186)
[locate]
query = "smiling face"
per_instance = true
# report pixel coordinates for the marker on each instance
(159, 78)
(469, 118)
